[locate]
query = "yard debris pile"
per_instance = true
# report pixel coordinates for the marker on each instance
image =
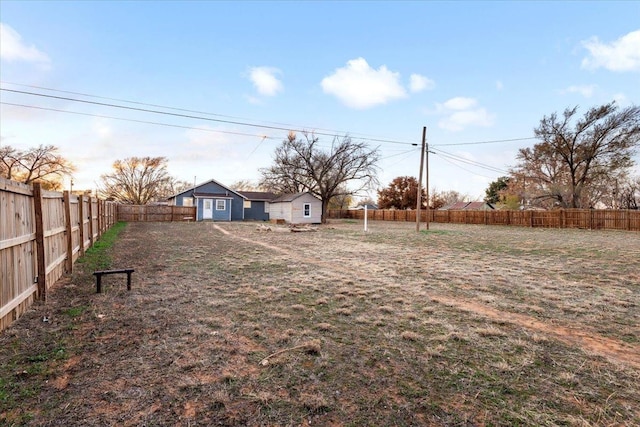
(294, 228)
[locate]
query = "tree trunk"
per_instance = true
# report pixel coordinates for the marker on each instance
(325, 205)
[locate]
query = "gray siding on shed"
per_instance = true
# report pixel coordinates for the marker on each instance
(291, 209)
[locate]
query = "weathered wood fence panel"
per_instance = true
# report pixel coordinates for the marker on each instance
(594, 219)
(17, 251)
(41, 234)
(55, 246)
(148, 213)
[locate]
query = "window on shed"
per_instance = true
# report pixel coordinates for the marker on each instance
(187, 201)
(306, 208)
(221, 205)
(247, 204)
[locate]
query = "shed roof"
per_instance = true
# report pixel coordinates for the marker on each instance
(259, 196)
(291, 197)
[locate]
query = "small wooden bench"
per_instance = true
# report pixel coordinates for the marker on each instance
(101, 273)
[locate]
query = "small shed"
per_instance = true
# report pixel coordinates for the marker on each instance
(298, 208)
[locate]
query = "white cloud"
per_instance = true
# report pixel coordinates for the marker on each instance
(359, 86)
(584, 90)
(265, 81)
(462, 119)
(499, 85)
(419, 83)
(620, 55)
(461, 112)
(12, 47)
(459, 103)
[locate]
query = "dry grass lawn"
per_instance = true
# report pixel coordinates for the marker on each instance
(227, 325)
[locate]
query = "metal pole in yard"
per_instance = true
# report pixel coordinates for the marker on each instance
(365, 218)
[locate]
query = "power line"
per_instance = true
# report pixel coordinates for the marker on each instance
(484, 142)
(406, 155)
(189, 116)
(137, 121)
(245, 122)
(444, 155)
(288, 125)
(470, 162)
(464, 169)
(474, 164)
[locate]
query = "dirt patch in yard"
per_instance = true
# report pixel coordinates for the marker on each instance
(461, 325)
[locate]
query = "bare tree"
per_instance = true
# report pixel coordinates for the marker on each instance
(245, 185)
(38, 164)
(170, 187)
(136, 180)
(301, 165)
(627, 195)
(341, 201)
(367, 201)
(573, 160)
(444, 198)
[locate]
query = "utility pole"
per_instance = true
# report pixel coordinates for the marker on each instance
(426, 154)
(419, 196)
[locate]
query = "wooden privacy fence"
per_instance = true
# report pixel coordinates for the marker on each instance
(133, 213)
(593, 219)
(42, 233)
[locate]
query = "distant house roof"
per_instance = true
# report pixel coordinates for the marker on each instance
(199, 194)
(468, 206)
(479, 206)
(258, 196)
(456, 206)
(368, 205)
(290, 197)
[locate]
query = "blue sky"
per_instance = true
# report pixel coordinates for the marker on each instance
(469, 71)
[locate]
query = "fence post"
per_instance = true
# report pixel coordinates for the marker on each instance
(81, 218)
(628, 212)
(563, 219)
(531, 219)
(100, 220)
(42, 269)
(90, 221)
(66, 197)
